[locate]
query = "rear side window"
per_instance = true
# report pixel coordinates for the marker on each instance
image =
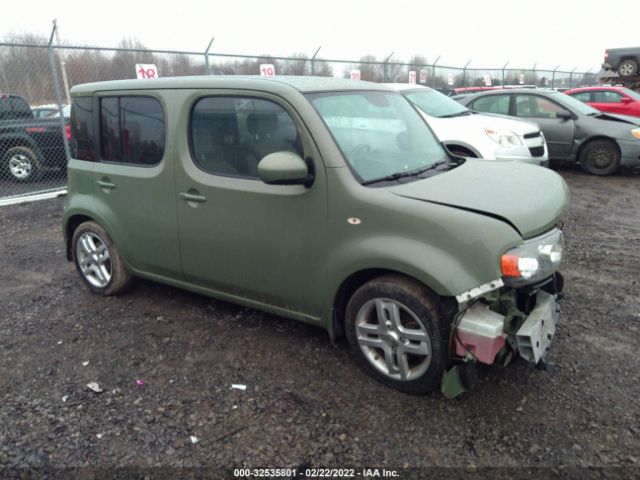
(82, 128)
(493, 104)
(14, 108)
(230, 135)
(132, 130)
(582, 96)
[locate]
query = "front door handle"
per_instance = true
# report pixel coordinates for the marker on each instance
(193, 197)
(105, 184)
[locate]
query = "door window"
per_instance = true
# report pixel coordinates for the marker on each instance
(606, 96)
(82, 128)
(582, 96)
(132, 130)
(230, 135)
(493, 104)
(534, 106)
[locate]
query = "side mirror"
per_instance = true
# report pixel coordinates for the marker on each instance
(625, 100)
(564, 115)
(284, 168)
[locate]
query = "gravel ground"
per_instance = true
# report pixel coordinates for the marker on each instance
(305, 403)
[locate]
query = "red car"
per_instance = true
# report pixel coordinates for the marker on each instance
(619, 100)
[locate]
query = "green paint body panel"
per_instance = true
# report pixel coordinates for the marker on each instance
(287, 249)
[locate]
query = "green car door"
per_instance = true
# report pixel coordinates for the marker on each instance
(239, 236)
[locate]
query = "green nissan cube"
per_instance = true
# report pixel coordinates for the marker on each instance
(324, 200)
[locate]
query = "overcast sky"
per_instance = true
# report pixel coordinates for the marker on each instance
(570, 33)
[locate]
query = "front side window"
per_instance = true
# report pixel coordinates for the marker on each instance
(82, 128)
(493, 104)
(132, 130)
(379, 133)
(533, 106)
(606, 96)
(230, 135)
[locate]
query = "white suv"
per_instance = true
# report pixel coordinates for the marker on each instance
(470, 134)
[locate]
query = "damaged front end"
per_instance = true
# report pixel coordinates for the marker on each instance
(511, 317)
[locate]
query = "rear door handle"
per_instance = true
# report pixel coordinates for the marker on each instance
(193, 197)
(105, 184)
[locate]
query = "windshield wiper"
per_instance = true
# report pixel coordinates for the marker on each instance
(399, 175)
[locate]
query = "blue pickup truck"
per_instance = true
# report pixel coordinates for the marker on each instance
(29, 146)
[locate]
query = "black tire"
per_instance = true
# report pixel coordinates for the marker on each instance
(21, 164)
(600, 157)
(118, 279)
(627, 68)
(424, 305)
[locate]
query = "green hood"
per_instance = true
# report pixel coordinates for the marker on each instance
(529, 198)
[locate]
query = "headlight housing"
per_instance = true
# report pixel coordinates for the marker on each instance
(636, 132)
(504, 138)
(536, 259)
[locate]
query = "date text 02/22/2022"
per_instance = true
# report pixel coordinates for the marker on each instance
(314, 473)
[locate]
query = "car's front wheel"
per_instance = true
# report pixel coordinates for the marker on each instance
(98, 261)
(396, 334)
(627, 68)
(600, 157)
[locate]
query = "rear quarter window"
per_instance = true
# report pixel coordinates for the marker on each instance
(82, 128)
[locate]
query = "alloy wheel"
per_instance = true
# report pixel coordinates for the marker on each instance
(392, 339)
(20, 166)
(94, 259)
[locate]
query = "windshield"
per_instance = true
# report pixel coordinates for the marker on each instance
(631, 93)
(379, 133)
(573, 103)
(435, 103)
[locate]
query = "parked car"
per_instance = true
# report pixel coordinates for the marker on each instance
(324, 200)
(469, 134)
(575, 132)
(621, 100)
(622, 60)
(43, 110)
(28, 145)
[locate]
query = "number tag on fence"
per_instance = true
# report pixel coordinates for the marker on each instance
(146, 70)
(267, 69)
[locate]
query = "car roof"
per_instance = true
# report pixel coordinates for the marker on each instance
(405, 86)
(305, 84)
(595, 88)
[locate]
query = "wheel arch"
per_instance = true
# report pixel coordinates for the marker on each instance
(10, 141)
(466, 148)
(592, 139)
(70, 226)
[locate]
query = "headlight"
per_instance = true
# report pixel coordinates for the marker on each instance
(537, 259)
(505, 138)
(636, 132)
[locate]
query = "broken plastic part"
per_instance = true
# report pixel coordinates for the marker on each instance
(452, 383)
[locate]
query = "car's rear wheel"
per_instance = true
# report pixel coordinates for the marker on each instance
(396, 334)
(627, 68)
(98, 261)
(21, 164)
(600, 157)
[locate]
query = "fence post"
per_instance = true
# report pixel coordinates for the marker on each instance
(56, 84)
(571, 77)
(62, 64)
(206, 56)
(433, 72)
(503, 69)
(464, 75)
(553, 76)
(385, 76)
(313, 61)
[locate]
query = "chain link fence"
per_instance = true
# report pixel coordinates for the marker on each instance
(36, 76)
